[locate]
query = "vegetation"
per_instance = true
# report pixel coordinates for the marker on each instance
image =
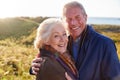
(16, 45)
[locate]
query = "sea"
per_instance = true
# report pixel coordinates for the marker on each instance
(103, 21)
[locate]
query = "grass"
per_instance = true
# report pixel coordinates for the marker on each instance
(15, 61)
(16, 46)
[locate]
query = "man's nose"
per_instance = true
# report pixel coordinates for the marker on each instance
(73, 22)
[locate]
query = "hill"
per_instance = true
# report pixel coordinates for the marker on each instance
(16, 27)
(16, 47)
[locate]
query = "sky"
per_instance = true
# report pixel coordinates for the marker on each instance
(53, 8)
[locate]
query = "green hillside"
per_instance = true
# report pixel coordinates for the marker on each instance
(16, 27)
(16, 45)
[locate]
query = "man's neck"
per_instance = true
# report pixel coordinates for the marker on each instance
(76, 39)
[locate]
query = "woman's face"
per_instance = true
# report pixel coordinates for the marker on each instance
(58, 39)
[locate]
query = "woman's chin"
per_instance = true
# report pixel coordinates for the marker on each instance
(62, 51)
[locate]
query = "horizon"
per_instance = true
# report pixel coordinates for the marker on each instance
(90, 20)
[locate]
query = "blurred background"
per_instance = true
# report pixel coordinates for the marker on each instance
(19, 20)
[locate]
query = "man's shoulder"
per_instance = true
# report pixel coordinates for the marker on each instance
(104, 38)
(96, 35)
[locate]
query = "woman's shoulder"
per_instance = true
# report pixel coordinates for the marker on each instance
(51, 70)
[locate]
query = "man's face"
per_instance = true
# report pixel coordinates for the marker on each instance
(76, 21)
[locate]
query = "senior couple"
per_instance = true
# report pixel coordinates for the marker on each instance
(80, 54)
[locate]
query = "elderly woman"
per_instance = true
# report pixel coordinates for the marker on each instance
(51, 41)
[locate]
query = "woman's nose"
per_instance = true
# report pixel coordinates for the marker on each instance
(61, 38)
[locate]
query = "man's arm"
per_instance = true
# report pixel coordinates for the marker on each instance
(110, 65)
(35, 65)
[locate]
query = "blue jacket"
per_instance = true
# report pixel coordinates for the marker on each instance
(97, 57)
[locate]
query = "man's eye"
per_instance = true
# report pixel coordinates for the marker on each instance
(69, 19)
(78, 18)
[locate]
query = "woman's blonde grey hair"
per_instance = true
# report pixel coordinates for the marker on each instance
(73, 4)
(44, 31)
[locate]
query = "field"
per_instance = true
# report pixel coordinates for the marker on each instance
(16, 45)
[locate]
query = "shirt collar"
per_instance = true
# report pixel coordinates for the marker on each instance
(77, 40)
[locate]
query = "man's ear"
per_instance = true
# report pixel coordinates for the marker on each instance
(85, 17)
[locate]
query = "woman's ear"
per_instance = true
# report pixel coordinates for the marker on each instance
(46, 43)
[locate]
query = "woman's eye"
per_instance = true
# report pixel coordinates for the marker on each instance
(56, 36)
(64, 34)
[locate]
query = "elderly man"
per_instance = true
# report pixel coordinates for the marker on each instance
(94, 54)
